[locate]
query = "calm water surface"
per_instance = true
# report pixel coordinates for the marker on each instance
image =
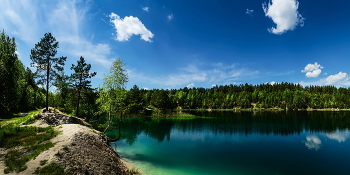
(238, 143)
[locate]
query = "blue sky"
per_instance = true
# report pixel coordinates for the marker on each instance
(196, 43)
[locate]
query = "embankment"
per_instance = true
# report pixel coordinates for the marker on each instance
(78, 149)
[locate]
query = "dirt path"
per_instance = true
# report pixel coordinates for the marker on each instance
(79, 149)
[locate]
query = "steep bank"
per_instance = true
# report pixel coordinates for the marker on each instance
(78, 149)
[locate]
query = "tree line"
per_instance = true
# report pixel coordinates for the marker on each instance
(22, 89)
(286, 96)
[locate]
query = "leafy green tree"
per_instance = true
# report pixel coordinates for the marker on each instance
(46, 65)
(64, 92)
(134, 100)
(80, 79)
(12, 74)
(89, 108)
(112, 94)
(160, 100)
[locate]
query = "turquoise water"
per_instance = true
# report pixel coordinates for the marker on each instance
(238, 143)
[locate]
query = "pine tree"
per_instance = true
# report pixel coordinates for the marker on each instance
(80, 79)
(47, 67)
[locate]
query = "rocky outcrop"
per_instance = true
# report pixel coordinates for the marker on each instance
(88, 153)
(55, 117)
(86, 150)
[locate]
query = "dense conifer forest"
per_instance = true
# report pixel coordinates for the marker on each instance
(21, 90)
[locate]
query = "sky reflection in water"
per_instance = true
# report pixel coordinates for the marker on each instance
(239, 143)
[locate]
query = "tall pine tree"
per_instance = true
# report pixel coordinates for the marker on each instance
(47, 67)
(80, 79)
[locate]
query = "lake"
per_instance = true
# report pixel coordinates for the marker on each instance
(296, 142)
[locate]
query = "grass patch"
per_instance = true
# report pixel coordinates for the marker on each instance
(12, 135)
(43, 162)
(30, 117)
(15, 160)
(32, 140)
(52, 169)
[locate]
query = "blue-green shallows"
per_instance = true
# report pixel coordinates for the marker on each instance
(238, 143)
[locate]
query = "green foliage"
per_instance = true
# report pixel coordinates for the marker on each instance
(277, 96)
(80, 79)
(46, 66)
(18, 89)
(112, 95)
(134, 101)
(52, 169)
(160, 99)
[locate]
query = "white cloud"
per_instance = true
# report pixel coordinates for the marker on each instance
(129, 26)
(170, 17)
(284, 13)
(249, 12)
(311, 67)
(313, 142)
(313, 73)
(338, 136)
(145, 9)
(336, 78)
(191, 85)
(312, 70)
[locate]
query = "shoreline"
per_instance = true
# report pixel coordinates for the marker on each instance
(262, 109)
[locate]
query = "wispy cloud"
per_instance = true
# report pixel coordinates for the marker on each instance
(22, 17)
(129, 26)
(170, 17)
(216, 73)
(145, 9)
(249, 12)
(284, 13)
(312, 70)
(65, 19)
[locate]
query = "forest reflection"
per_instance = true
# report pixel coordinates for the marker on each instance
(237, 123)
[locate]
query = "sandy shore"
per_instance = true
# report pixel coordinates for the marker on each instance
(79, 149)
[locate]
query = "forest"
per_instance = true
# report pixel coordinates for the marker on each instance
(24, 89)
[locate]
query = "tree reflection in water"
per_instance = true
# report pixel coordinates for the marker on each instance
(243, 123)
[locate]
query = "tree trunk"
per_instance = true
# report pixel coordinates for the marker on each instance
(119, 133)
(47, 82)
(77, 112)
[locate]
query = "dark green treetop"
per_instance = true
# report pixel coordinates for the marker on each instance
(80, 78)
